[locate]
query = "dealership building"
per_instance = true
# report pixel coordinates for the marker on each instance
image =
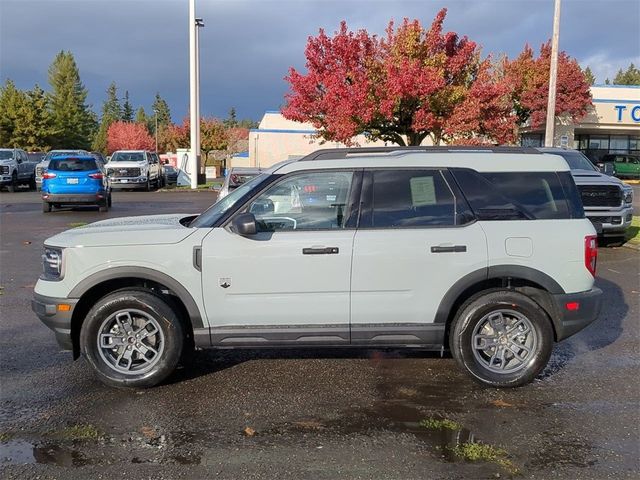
(611, 126)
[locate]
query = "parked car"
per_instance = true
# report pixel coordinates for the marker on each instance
(134, 169)
(236, 177)
(42, 166)
(16, 169)
(607, 201)
(485, 252)
(621, 165)
(74, 180)
(35, 157)
(170, 175)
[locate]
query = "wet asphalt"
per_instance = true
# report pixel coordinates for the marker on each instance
(322, 414)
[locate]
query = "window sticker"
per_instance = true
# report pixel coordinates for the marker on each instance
(423, 191)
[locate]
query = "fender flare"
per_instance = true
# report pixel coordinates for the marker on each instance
(489, 273)
(146, 274)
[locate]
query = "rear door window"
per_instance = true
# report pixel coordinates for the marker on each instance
(409, 198)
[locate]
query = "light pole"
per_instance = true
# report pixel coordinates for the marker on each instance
(553, 76)
(199, 24)
(193, 97)
(155, 111)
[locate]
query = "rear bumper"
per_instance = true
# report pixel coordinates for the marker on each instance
(569, 322)
(84, 198)
(46, 308)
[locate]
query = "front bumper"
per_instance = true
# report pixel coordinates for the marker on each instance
(130, 182)
(608, 222)
(79, 198)
(5, 179)
(48, 311)
(569, 322)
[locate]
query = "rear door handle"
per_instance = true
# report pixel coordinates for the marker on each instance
(449, 249)
(320, 250)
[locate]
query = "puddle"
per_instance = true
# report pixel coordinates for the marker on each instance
(20, 452)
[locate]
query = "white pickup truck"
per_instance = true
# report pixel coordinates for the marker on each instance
(16, 169)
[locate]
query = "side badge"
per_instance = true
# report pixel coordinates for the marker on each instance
(225, 282)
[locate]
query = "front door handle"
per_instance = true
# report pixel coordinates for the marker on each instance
(320, 250)
(449, 249)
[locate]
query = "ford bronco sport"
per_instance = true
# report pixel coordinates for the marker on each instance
(483, 252)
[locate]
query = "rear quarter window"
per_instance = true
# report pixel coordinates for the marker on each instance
(516, 195)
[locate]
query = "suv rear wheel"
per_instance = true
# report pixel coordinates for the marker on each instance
(502, 338)
(132, 338)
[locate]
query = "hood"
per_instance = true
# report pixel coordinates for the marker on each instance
(590, 177)
(116, 165)
(143, 230)
(7, 160)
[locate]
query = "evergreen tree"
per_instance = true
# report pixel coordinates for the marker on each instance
(74, 122)
(127, 109)
(11, 101)
(111, 112)
(231, 121)
(631, 76)
(141, 116)
(161, 108)
(589, 76)
(34, 124)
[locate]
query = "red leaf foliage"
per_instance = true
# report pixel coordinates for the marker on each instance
(128, 136)
(529, 77)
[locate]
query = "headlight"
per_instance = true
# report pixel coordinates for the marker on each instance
(52, 263)
(628, 195)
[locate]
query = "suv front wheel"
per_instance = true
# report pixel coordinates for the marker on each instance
(502, 338)
(132, 338)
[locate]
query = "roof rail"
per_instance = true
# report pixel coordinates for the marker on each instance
(337, 153)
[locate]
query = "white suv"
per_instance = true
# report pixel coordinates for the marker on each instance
(484, 252)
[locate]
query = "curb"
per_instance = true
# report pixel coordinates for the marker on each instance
(632, 245)
(631, 182)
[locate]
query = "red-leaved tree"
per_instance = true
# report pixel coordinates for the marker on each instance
(529, 77)
(128, 136)
(412, 83)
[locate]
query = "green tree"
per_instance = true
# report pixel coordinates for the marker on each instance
(111, 112)
(630, 76)
(141, 117)
(74, 122)
(161, 108)
(589, 76)
(127, 109)
(34, 124)
(11, 101)
(231, 120)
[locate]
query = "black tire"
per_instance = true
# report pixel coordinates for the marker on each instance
(109, 201)
(32, 183)
(13, 186)
(475, 311)
(149, 304)
(46, 207)
(103, 207)
(148, 186)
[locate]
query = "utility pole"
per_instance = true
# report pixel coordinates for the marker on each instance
(194, 153)
(199, 24)
(156, 130)
(553, 76)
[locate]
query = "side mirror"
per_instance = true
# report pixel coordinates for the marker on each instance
(244, 224)
(108, 158)
(166, 162)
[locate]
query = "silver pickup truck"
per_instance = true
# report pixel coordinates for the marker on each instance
(607, 201)
(16, 169)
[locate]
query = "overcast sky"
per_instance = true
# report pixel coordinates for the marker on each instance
(248, 46)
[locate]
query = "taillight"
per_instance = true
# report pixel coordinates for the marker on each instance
(48, 175)
(591, 253)
(97, 176)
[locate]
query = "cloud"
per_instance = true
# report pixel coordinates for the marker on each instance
(247, 46)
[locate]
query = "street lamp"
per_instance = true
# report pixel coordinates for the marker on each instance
(155, 111)
(199, 24)
(193, 96)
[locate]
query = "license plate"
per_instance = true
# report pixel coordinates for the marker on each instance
(124, 180)
(72, 180)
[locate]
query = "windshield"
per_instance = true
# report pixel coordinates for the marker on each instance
(215, 211)
(128, 157)
(577, 161)
(6, 154)
(73, 164)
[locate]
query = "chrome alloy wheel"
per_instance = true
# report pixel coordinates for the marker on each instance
(130, 341)
(504, 341)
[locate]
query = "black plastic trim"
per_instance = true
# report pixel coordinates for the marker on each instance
(267, 335)
(526, 273)
(146, 274)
